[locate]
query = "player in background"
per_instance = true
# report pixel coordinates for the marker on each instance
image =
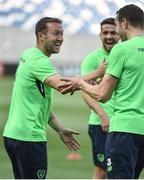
(100, 112)
(124, 76)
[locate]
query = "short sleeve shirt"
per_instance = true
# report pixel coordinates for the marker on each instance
(31, 98)
(126, 62)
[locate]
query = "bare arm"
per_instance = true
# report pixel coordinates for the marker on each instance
(66, 135)
(95, 106)
(54, 81)
(103, 91)
(55, 124)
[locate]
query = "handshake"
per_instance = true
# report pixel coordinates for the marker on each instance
(70, 85)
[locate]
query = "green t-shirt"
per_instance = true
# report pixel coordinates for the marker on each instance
(91, 63)
(126, 62)
(31, 98)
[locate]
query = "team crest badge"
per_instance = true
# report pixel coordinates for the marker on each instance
(41, 173)
(100, 157)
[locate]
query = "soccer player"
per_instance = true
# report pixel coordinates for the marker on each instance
(30, 111)
(124, 76)
(100, 112)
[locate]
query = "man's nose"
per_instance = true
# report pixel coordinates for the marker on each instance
(109, 35)
(60, 37)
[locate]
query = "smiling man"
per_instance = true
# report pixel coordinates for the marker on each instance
(30, 110)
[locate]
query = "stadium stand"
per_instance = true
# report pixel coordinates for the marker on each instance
(80, 19)
(79, 16)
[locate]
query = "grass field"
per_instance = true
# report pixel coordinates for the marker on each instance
(73, 112)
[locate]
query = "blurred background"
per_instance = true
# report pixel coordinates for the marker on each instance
(81, 20)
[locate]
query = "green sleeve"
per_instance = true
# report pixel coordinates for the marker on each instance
(42, 68)
(116, 61)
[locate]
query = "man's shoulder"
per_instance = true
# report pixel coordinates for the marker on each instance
(33, 53)
(32, 50)
(94, 54)
(97, 51)
(92, 60)
(119, 48)
(122, 45)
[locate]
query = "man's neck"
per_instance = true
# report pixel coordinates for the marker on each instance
(42, 49)
(135, 32)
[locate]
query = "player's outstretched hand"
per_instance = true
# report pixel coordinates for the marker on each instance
(67, 136)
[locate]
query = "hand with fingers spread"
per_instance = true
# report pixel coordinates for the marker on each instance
(67, 136)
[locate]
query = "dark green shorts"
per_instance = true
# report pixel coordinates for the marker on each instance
(29, 159)
(98, 139)
(125, 155)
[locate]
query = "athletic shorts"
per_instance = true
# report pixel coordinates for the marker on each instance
(125, 155)
(29, 159)
(98, 139)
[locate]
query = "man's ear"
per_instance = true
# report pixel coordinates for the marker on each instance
(118, 37)
(41, 35)
(125, 23)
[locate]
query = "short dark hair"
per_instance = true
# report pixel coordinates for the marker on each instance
(41, 25)
(109, 20)
(133, 14)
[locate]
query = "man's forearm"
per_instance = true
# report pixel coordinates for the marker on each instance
(94, 105)
(92, 90)
(55, 124)
(91, 76)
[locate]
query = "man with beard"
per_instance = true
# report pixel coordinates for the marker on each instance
(124, 76)
(100, 112)
(30, 110)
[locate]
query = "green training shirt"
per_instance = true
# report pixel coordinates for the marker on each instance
(126, 62)
(31, 98)
(91, 63)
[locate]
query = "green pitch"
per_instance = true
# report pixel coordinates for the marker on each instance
(73, 112)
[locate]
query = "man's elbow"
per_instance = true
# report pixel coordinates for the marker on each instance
(103, 98)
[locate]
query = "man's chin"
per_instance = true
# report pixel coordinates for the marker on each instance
(109, 47)
(55, 51)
